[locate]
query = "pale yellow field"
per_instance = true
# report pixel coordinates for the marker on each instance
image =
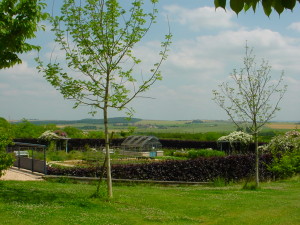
(288, 126)
(162, 122)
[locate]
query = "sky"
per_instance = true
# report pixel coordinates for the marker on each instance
(207, 45)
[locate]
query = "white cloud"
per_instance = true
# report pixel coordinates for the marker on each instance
(198, 65)
(198, 18)
(295, 26)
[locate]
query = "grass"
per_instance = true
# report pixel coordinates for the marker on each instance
(64, 203)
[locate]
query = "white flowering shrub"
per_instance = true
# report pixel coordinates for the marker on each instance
(286, 153)
(49, 135)
(237, 136)
(238, 140)
(285, 143)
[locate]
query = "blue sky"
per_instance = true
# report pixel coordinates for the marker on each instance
(207, 45)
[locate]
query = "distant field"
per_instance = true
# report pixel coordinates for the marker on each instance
(166, 126)
(162, 122)
(283, 126)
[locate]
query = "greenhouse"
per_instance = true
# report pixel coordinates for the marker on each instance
(141, 144)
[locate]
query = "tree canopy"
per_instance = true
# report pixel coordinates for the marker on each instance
(99, 38)
(268, 5)
(18, 22)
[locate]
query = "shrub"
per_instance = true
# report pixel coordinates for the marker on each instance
(192, 154)
(6, 160)
(238, 140)
(229, 168)
(180, 154)
(286, 153)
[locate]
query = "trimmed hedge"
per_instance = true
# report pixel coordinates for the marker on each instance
(179, 144)
(231, 168)
(77, 143)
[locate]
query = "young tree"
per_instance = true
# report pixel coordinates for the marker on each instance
(98, 38)
(19, 21)
(253, 100)
(268, 5)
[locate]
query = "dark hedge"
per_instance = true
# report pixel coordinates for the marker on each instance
(80, 144)
(231, 168)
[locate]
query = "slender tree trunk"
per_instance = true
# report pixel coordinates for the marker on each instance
(107, 158)
(108, 167)
(256, 160)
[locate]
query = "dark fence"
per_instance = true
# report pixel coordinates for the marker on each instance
(34, 165)
(22, 150)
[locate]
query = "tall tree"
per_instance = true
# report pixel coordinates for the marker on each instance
(253, 99)
(268, 5)
(19, 20)
(98, 37)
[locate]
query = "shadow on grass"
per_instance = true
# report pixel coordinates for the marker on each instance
(34, 193)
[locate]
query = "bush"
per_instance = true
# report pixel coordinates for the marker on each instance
(286, 153)
(192, 154)
(238, 140)
(6, 160)
(229, 168)
(180, 154)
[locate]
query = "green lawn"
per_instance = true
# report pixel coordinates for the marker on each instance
(62, 203)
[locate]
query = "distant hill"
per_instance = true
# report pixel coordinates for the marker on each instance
(121, 120)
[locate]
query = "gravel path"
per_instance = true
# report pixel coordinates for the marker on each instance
(20, 174)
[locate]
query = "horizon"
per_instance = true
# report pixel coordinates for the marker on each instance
(223, 120)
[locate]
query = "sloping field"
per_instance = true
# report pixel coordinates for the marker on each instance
(283, 126)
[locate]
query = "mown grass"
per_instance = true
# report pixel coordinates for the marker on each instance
(65, 203)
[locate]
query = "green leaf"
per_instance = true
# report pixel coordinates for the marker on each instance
(267, 4)
(237, 5)
(277, 5)
(288, 4)
(247, 7)
(254, 4)
(220, 3)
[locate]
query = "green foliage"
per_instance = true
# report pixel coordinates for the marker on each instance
(95, 134)
(268, 5)
(25, 129)
(287, 165)
(6, 160)
(103, 35)
(192, 154)
(180, 154)
(219, 182)
(19, 20)
(286, 153)
(250, 186)
(205, 136)
(73, 132)
(98, 37)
